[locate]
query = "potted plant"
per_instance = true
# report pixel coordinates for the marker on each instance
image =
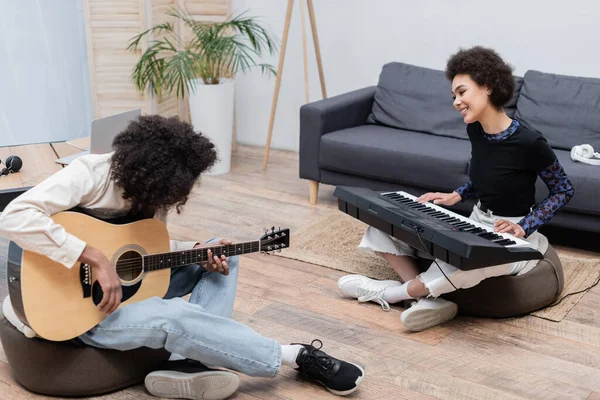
(202, 68)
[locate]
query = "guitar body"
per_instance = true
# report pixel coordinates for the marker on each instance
(59, 303)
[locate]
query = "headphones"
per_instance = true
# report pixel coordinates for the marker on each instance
(13, 164)
(585, 154)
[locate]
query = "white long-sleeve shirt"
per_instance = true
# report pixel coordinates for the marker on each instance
(85, 183)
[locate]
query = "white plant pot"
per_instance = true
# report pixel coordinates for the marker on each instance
(211, 113)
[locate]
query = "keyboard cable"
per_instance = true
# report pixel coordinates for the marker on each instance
(431, 255)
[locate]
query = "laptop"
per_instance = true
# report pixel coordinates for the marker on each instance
(103, 133)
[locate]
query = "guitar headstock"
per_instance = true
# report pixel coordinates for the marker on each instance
(274, 240)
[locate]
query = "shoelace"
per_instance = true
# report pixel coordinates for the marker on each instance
(323, 362)
(373, 295)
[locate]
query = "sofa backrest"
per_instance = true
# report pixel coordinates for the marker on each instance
(565, 109)
(420, 99)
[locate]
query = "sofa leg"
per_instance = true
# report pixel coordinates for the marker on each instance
(314, 191)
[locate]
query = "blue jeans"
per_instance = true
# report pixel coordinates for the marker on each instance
(201, 329)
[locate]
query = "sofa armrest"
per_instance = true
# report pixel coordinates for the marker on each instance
(328, 115)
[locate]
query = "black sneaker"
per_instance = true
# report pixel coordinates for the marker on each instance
(339, 377)
(189, 379)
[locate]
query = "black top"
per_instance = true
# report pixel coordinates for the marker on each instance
(503, 172)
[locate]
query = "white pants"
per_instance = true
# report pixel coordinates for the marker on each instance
(378, 241)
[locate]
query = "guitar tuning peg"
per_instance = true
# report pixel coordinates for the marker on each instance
(266, 230)
(272, 229)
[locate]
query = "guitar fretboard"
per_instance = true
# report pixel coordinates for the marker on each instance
(173, 259)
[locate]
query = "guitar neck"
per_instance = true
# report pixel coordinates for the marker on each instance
(154, 262)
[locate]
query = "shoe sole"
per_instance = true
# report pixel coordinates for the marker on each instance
(356, 384)
(207, 385)
(420, 320)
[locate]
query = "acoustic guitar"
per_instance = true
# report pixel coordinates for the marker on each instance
(59, 303)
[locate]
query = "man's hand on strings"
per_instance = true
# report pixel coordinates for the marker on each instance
(106, 275)
(214, 263)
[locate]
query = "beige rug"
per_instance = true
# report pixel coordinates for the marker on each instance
(331, 241)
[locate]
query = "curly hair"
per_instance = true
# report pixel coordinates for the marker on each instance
(157, 162)
(486, 68)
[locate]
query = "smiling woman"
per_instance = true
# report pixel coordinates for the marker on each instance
(482, 84)
(483, 67)
(506, 159)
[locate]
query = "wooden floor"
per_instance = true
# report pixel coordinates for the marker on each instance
(467, 358)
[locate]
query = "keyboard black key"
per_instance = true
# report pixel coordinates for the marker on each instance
(505, 242)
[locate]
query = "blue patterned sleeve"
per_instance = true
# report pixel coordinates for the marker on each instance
(561, 191)
(465, 191)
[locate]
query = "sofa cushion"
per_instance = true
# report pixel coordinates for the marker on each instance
(563, 108)
(397, 156)
(585, 180)
(511, 107)
(416, 99)
(420, 99)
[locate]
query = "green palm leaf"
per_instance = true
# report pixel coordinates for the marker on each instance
(216, 50)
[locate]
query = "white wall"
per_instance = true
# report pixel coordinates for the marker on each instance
(358, 36)
(44, 81)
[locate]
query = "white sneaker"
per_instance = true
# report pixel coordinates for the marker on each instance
(427, 313)
(366, 289)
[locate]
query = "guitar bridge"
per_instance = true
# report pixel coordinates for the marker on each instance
(85, 278)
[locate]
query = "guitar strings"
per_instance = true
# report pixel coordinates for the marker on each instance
(201, 254)
(137, 263)
(133, 264)
(187, 255)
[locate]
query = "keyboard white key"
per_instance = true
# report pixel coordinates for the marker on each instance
(518, 242)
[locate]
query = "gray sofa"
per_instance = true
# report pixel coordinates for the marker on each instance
(404, 134)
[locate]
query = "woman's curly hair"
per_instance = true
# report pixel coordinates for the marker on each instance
(157, 161)
(486, 68)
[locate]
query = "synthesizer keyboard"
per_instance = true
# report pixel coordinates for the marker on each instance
(433, 229)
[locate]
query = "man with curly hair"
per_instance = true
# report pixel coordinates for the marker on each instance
(155, 164)
(506, 159)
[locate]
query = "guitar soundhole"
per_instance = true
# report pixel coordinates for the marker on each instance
(129, 266)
